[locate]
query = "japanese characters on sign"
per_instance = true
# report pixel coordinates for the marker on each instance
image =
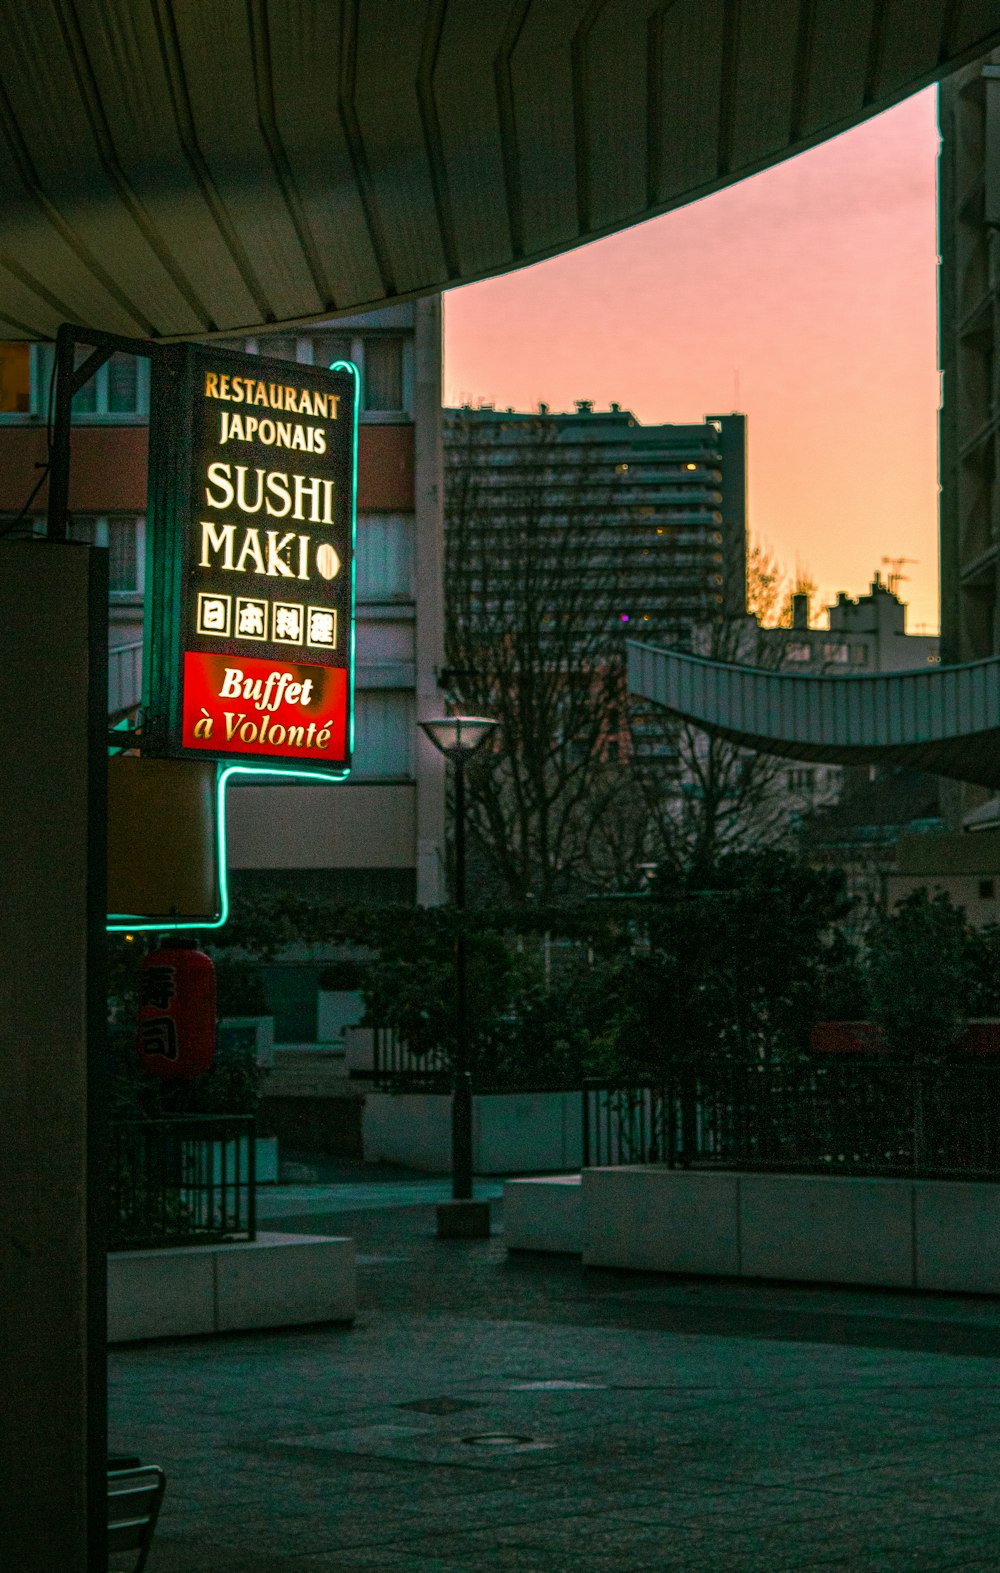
(253, 501)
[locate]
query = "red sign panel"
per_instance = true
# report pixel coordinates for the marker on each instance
(288, 710)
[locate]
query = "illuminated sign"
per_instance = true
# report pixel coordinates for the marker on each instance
(250, 601)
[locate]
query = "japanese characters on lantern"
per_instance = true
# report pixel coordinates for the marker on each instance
(175, 1038)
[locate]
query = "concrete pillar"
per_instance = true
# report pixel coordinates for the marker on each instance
(429, 530)
(53, 720)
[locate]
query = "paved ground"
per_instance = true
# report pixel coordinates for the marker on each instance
(494, 1413)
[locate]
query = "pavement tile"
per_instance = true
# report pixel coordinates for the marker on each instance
(695, 1428)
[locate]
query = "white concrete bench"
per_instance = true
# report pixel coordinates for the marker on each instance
(277, 1280)
(889, 1233)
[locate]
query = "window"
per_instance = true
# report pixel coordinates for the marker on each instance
(835, 654)
(386, 724)
(328, 347)
(122, 385)
(987, 890)
(859, 655)
(124, 537)
(385, 557)
(798, 651)
(280, 346)
(383, 373)
(15, 379)
(801, 780)
(118, 388)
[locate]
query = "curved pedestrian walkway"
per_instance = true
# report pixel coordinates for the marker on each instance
(520, 1413)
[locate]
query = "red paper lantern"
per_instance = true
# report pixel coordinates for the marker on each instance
(176, 1035)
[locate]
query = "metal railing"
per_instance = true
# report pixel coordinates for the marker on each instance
(124, 679)
(183, 1181)
(858, 1116)
(398, 1068)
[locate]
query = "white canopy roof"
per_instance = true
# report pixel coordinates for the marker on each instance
(945, 720)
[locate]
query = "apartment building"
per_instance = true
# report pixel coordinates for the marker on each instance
(379, 835)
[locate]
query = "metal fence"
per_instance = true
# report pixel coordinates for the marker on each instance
(183, 1181)
(124, 679)
(856, 1116)
(398, 1068)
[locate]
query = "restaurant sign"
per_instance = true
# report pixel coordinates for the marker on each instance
(250, 600)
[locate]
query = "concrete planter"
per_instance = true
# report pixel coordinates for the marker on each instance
(359, 1049)
(887, 1233)
(336, 1010)
(262, 1028)
(511, 1132)
(278, 1280)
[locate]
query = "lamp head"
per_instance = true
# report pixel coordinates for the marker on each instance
(458, 735)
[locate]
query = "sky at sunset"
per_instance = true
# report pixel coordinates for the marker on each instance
(806, 297)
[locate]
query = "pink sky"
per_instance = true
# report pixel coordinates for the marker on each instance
(806, 296)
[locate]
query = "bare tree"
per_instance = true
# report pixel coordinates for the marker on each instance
(583, 783)
(718, 796)
(533, 580)
(730, 798)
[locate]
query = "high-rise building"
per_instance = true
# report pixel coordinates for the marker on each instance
(647, 524)
(969, 335)
(664, 505)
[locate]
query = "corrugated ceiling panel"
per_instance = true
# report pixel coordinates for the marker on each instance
(765, 75)
(91, 82)
(909, 41)
(151, 180)
(466, 100)
(542, 80)
(975, 22)
(33, 233)
(39, 83)
(685, 147)
(768, 702)
(218, 66)
(135, 96)
(909, 718)
(28, 313)
(390, 41)
(842, 719)
(614, 63)
(305, 71)
(837, 63)
(938, 708)
(802, 721)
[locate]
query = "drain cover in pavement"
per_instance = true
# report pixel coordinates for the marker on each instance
(424, 1444)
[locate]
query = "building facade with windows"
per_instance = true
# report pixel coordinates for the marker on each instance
(866, 634)
(666, 504)
(380, 835)
(657, 512)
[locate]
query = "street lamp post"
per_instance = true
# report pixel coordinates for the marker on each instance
(457, 737)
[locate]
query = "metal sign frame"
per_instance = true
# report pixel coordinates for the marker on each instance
(179, 652)
(68, 379)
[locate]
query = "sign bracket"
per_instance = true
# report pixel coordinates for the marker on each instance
(69, 379)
